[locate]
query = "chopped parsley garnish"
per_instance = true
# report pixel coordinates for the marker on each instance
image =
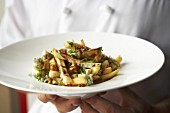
(71, 43)
(74, 53)
(88, 60)
(84, 60)
(101, 49)
(91, 61)
(83, 69)
(103, 59)
(111, 60)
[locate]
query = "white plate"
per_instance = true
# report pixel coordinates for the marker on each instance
(141, 59)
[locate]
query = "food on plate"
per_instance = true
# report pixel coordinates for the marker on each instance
(75, 65)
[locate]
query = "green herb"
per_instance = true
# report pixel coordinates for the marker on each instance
(103, 59)
(82, 69)
(42, 79)
(71, 43)
(74, 53)
(84, 60)
(68, 64)
(46, 72)
(111, 60)
(88, 60)
(91, 61)
(39, 78)
(38, 63)
(101, 49)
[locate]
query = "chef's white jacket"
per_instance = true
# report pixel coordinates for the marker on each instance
(147, 19)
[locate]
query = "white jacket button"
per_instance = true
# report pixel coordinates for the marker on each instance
(67, 11)
(107, 8)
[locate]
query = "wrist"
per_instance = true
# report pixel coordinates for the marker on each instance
(161, 108)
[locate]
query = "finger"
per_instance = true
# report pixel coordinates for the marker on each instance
(103, 105)
(75, 102)
(87, 108)
(126, 92)
(128, 97)
(46, 98)
(65, 105)
(62, 104)
(131, 99)
(67, 102)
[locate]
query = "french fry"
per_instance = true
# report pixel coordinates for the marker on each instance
(105, 64)
(56, 54)
(67, 80)
(107, 70)
(118, 59)
(96, 77)
(79, 80)
(110, 75)
(95, 70)
(54, 74)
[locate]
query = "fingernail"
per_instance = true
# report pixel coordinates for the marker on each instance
(75, 105)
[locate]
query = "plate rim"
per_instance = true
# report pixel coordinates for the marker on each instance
(87, 33)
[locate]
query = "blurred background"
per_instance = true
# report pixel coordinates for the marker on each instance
(12, 101)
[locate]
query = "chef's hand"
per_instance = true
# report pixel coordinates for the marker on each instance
(130, 103)
(63, 105)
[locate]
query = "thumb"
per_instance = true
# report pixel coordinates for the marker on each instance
(46, 98)
(129, 98)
